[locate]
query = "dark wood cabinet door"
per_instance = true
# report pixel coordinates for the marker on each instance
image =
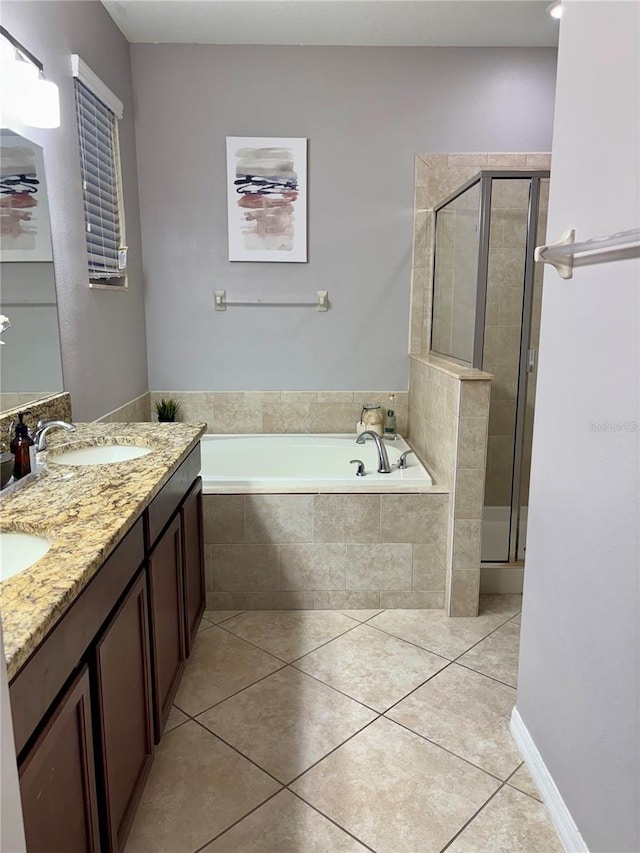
(193, 557)
(167, 620)
(57, 779)
(125, 722)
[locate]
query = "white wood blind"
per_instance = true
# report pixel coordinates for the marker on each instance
(100, 165)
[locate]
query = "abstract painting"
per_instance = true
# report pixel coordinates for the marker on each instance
(267, 199)
(24, 211)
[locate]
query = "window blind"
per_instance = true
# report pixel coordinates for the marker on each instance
(100, 165)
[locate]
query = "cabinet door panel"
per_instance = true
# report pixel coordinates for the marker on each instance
(167, 620)
(124, 695)
(193, 554)
(57, 779)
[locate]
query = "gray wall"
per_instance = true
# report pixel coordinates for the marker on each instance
(578, 690)
(102, 334)
(366, 112)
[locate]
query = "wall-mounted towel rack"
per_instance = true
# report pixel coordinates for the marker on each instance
(320, 303)
(561, 254)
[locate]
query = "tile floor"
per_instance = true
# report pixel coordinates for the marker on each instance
(325, 731)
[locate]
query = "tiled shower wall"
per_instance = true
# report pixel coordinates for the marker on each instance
(448, 410)
(448, 421)
(281, 411)
(325, 551)
(436, 177)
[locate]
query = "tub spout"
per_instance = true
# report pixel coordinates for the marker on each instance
(383, 459)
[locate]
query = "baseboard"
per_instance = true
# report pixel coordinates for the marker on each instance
(560, 815)
(501, 579)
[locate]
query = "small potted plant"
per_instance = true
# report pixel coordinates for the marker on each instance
(167, 410)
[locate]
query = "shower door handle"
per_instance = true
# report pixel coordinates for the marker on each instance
(531, 360)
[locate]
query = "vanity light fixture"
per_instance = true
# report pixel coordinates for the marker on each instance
(27, 96)
(555, 9)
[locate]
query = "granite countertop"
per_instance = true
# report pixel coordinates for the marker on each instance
(85, 512)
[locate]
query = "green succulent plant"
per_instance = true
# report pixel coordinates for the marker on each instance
(167, 409)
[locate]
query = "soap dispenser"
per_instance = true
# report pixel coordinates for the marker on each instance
(23, 449)
(390, 430)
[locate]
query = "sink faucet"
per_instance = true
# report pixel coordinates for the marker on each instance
(44, 427)
(383, 459)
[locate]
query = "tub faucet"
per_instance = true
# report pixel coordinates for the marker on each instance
(44, 427)
(383, 459)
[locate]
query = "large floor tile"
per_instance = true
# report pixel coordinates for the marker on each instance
(522, 780)
(361, 615)
(497, 656)
(371, 666)
(511, 823)
(437, 632)
(289, 634)
(286, 722)
(175, 718)
(220, 664)
(285, 824)
(217, 616)
(503, 605)
(466, 713)
(396, 791)
(197, 787)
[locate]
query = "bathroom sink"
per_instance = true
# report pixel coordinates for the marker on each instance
(100, 454)
(18, 551)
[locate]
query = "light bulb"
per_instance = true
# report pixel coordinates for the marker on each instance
(555, 9)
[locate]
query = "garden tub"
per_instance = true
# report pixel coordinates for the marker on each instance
(305, 463)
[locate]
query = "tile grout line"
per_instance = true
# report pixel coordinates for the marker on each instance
(331, 820)
(237, 751)
(475, 815)
(289, 662)
(235, 823)
(446, 749)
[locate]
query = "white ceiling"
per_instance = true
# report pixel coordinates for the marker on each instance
(475, 23)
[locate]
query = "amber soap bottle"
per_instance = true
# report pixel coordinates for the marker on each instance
(23, 448)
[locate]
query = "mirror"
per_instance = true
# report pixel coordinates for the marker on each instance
(30, 357)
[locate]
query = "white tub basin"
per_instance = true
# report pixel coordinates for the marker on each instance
(19, 551)
(101, 454)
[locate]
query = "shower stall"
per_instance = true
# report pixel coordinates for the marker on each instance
(487, 294)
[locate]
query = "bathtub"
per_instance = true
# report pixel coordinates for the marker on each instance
(304, 463)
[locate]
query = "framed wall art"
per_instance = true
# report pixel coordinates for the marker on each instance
(267, 199)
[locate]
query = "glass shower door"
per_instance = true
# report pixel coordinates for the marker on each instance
(455, 275)
(505, 333)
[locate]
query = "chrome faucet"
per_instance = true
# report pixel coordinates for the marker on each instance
(44, 427)
(383, 459)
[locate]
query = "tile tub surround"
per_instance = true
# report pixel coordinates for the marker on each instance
(325, 551)
(281, 411)
(448, 427)
(436, 177)
(86, 514)
(57, 407)
(135, 411)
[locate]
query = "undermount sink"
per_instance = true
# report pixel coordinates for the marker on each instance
(100, 454)
(19, 551)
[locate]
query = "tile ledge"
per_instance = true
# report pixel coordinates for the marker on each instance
(451, 368)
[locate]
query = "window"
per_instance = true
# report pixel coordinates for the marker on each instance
(98, 111)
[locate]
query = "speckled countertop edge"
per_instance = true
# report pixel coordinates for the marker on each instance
(85, 511)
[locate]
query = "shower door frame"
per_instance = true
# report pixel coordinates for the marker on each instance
(485, 178)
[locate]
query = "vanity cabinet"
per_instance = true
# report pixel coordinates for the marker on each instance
(166, 594)
(124, 724)
(57, 779)
(91, 702)
(193, 559)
